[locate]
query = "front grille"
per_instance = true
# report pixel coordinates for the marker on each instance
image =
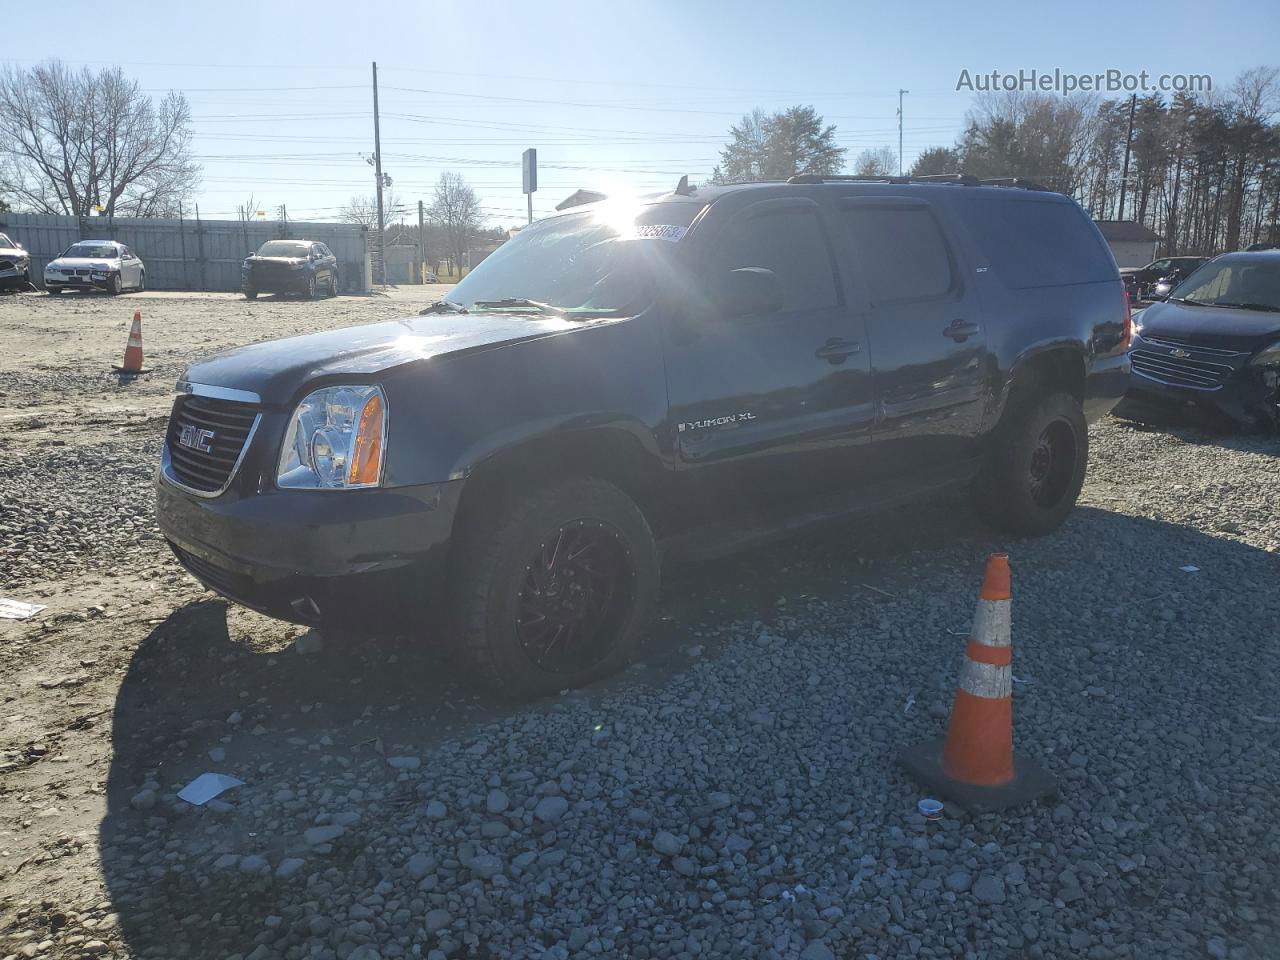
(6, 264)
(234, 585)
(1166, 368)
(230, 424)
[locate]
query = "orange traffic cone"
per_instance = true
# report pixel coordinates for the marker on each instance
(133, 350)
(975, 766)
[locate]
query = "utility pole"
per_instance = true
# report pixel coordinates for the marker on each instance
(377, 172)
(1128, 143)
(900, 93)
(422, 248)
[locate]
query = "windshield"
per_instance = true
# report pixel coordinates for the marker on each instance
(284, 248)
(1233, 283)
(599, 261)
(93, 251)
(6, 242)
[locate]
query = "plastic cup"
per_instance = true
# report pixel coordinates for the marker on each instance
(930, 809)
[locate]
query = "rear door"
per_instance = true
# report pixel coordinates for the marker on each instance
(924, 330)
(769, 407)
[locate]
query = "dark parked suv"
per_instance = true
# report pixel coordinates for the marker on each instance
(626, 382)
(290, 266)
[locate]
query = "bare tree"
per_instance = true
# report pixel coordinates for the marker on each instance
(880, 162)
(456, 210)
(73, 142)
(364, 210)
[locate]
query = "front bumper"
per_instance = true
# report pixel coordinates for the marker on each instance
(78, 282)
(1231, 388)
(296, 282)
(357, 558)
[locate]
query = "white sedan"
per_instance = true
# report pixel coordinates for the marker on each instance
(96, 265)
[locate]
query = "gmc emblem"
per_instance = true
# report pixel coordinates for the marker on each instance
(196, 438)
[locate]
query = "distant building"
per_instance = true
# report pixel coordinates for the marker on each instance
(1131, 243)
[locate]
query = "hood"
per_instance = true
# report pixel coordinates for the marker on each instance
(1225, 327)
(278, 370)
(12, 253)
(85, 263)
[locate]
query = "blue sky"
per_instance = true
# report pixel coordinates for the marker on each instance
(615, 96)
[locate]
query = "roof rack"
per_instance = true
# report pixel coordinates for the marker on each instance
(955, 178)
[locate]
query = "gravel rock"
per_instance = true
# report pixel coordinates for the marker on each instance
(323, 834)
(989, 889)
(143, 800)
(666, 843)
(551, 809)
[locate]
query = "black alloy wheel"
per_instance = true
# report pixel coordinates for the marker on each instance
(576, 593)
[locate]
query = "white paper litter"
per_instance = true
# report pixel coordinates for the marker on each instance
(207, 786)
(17, 609)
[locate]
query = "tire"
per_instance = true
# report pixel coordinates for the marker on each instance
(313, 289)
(116, 286)
(142, 282)
(511, 613)
(333, 284)
(52, 291)
(1036, 466)
(251, 294)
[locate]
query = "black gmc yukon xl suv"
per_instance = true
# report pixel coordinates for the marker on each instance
(624, 382)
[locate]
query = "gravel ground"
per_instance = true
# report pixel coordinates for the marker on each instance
(735, 794)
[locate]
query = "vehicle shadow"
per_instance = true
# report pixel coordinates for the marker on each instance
(1201, 431)
(188, 881)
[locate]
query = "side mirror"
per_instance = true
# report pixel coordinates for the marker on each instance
(747, 291)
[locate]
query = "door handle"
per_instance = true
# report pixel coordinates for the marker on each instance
(837, 349)
(960, 330)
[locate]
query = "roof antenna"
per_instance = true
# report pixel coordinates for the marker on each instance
(682, 188)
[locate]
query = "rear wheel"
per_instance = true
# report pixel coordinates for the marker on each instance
(554, 587)
(1036, 467)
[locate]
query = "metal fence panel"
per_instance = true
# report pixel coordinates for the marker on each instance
(188, 254)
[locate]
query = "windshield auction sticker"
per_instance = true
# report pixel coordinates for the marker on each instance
(661, 231)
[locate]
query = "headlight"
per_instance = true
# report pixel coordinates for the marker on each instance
(1267, 356)
(335, 440)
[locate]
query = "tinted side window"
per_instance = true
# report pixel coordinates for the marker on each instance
(900, 251)
(792, 244)
(1033, 243)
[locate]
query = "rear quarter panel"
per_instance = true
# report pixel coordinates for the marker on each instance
(1085, 319)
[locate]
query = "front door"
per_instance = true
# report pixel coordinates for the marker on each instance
(768, 407)
(924, 329)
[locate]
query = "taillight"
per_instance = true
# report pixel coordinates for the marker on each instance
(1128, 319)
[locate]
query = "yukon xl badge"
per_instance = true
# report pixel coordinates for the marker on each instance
(714, 422)
(196, 438)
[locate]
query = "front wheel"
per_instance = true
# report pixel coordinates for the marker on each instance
(1036, 466)
(554, 587)
(115, 286)
(312, 288)
(251, 294)
(142, 282)
(333, 284)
